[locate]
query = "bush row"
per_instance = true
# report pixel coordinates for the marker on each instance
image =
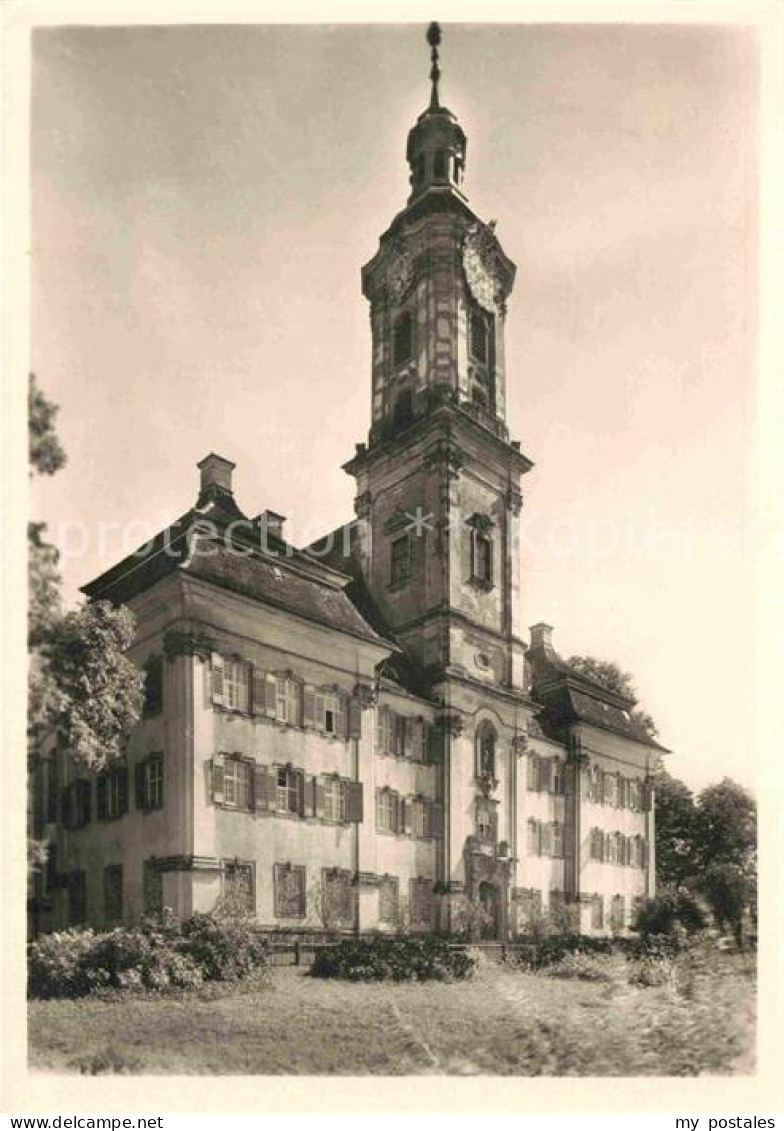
(552, 949)
(395, 959)
(156, 955)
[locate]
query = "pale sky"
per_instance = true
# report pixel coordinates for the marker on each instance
(204, 198)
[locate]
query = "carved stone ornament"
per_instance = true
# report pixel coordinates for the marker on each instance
(362, 504)
(520, 744)
(366, 694)
(400, 275)
(480, 264)
(535, 728)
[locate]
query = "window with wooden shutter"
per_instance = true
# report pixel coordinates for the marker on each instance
(382, 715)
(545, 774)
(399, 735)
(309, 706)
(546, 840)
(597, 844)
(335, 806)
(386, 811)
(112, 894)
(258, 699)
(290, 790)
(407, 814)
(265, 787)
(558, 776)
(557, 838)
(354, 801)
(217, 768)
(532, 772)
(320, 797)
(418, 740)
(534, 846)
(216, 668)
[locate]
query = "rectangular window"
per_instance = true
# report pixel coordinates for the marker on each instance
(610, 789)
(419, 818)
(481, 558)
(485, 821)
(403, 339)
(534, 841)
(532, 774)
(152, 881)
(339, 897)
(384, 730)
(112, 794)
(399, 735)
(289, 884)
(153, 685)
(557, 839)
(77, 898)
(239, 889)
(386, 811)
(325, 710)
(529, 903)
(112, 894)
(546, 840)
(290, 797)
(237, 783)
(634, 794)
(334, 800)
(388, 900)
(478, 336)
(236, 685)
(149, 783)
(638, 855)
(422, 903)
(400, 561)
(597, 844)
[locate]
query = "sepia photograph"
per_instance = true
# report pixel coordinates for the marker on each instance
(391, 549)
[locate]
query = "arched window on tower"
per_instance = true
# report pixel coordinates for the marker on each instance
(403, 412)
(403, 339)
(478, 336)
(486, 742)
(439, 165)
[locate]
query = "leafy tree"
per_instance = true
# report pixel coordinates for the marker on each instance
(726, 852)
(676, 831)
(609, 675)
(81, 686)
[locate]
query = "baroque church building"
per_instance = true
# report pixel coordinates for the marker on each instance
(355, 735)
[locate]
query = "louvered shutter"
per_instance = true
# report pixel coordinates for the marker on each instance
(271, 697)
(545, 840)
(532, 772)
(258, 698)
(354, 802)
(309, 804)
(408, 816)
(623, 792)
(380, 732)
(434, 744)
(217, 678)
(437, 820)
(309, 702)
(141, 792)
(354, 719)
(217, 779)
(318, 797)
(418, 740)
(122, 791)
(100, 797)
(339, 703)
(545, 775)
(293, 702)
(66, 807)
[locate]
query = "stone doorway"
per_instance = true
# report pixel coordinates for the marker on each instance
(490, 904)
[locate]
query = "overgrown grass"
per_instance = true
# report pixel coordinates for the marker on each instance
(503, 1021)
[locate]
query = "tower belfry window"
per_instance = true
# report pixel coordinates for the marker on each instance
(478, 335)
(439, 165)
(403, 339)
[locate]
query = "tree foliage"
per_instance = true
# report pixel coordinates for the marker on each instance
(81, 686)
(610, 676)
(676, 831)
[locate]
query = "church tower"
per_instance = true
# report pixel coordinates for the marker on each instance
(438, 481)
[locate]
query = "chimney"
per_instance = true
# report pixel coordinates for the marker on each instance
(215, 476)
(541, 636)
(272, 523)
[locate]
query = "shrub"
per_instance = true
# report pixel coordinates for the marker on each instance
(58, 965)
(673, 911)
(651, 971)
(587, 967)
(156, 955)
(394, 959)
(224, 949)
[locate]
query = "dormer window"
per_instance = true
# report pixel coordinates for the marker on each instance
(403, 339)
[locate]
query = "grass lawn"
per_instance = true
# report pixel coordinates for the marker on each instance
(501, 1022)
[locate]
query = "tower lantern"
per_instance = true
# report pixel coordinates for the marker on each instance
(436, 148)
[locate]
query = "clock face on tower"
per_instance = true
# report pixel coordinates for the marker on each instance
(480, 268)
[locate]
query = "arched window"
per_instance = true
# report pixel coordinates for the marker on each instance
(403, 339)
(478, 336)
(439, 165)
(486, 739)
(403, 411)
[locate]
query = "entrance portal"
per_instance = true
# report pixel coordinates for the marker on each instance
(488, 899)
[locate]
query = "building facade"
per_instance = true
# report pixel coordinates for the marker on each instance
(355, 735)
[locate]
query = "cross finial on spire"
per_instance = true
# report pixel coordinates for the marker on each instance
(434, 38)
